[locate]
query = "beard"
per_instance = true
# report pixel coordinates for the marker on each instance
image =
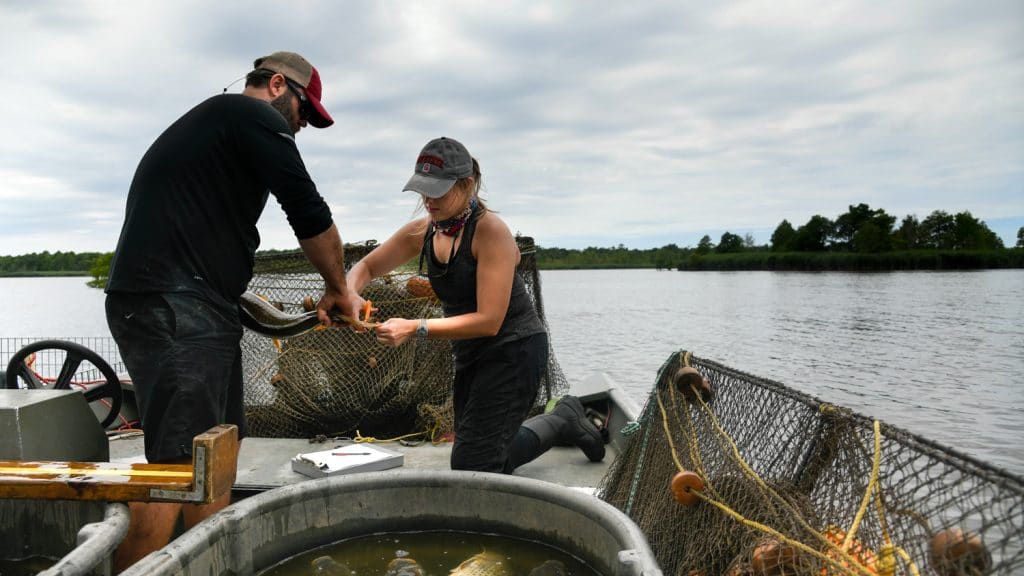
(283, 104)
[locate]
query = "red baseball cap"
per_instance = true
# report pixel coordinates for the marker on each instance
(297, 69)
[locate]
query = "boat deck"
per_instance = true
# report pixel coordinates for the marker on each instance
(265, 463)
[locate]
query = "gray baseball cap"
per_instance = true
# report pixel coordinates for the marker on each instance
(440, 164)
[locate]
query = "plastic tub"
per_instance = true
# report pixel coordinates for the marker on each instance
(258, 532)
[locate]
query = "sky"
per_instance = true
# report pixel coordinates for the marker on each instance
(595, 123)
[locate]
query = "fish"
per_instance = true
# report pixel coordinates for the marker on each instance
(327, 566)
(404, 567)
(483, 564)
(263, 318)
(549, 568)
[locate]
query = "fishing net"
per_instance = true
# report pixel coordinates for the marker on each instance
(338, 382)
(787, 484)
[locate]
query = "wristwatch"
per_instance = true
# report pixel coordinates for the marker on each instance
(421, 330)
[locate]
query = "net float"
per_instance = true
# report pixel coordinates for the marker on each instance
(308, 304)
(687, 379)
(860, 553)
(773, 558)
(420, 287)
(685, 485)
(954, 552)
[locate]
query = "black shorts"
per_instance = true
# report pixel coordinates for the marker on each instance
(183, 356)
(492, 398)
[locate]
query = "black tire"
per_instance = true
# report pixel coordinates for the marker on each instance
(76, 354)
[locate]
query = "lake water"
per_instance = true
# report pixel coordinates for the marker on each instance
(940, 354)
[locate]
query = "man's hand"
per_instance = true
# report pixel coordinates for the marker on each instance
(334, 301)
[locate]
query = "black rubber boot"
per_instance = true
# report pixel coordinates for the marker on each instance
(567, 424)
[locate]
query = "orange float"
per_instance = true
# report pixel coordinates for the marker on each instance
(685, 485)
(773, 558)
(954, 552)
(860, 553)
(419, 287)
(688, 379)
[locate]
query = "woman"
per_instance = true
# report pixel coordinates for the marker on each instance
(499, 342)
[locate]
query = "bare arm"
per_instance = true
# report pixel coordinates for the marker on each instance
(395, 251)
(327, 255)
(497, 255)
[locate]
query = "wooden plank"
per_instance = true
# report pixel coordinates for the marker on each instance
(212, 473)
(221, 444)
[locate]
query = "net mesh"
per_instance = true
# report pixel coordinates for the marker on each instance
(338, 382)
(793, 485)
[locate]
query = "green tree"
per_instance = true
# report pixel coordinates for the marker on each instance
(848, 227)
(1020, 237)
(667, 256)
(813, 236)
(100, 270)
(704, 246)
(969, 233)
(937, 231)
(729, 243)
(869, 238)
(907, 236)
(782, 238)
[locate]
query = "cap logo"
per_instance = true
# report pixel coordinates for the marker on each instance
(426, 160)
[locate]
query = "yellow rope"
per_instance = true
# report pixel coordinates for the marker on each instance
(782, 538)
(872, 484)
(369, 439)
(910, 561)
(759, 481)
(668, 434)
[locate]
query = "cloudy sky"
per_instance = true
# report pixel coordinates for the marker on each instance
(595, 123)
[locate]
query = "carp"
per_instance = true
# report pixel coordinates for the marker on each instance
(327, 566)
(404, 567)
(483, 564)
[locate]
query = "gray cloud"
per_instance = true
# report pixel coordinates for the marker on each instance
(641, 124)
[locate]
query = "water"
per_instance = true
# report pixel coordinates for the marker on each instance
(940, 354)
(438, 552)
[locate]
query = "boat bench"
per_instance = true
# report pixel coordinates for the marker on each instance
(211, 474)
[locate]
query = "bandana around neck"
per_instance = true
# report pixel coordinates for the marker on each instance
(451, 226)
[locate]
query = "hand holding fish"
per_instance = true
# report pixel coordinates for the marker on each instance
(333, 302)
(262, 317)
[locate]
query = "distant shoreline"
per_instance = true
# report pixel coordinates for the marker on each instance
(689, 260)
(44, 273)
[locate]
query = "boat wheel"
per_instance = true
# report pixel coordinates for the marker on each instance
(39, 365)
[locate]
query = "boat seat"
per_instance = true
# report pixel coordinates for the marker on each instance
(211, 474)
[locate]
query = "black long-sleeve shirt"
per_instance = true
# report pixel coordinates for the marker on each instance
(190, 222)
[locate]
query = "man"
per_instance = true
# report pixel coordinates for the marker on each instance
(185, 255)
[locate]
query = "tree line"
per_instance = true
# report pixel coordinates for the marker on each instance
(864, 230)
(46, 263)
(860, 239)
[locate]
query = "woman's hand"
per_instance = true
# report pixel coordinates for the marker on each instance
(395, 331)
